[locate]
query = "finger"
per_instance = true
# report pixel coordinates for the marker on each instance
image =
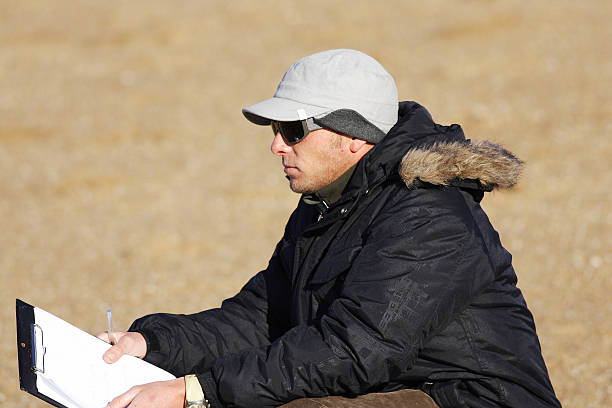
(103, 336)
(124, 399)
(112, 337)
(130, 343)
(114, 353)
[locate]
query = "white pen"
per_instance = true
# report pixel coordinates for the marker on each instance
(109, 317)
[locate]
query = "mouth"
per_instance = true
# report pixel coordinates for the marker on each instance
(289, 169)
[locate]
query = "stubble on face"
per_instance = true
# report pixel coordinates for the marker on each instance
(323, 166)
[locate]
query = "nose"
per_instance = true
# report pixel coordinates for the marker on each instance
(278, 146)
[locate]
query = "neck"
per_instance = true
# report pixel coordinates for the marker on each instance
(333, 191)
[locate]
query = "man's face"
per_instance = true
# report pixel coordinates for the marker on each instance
(315, 161)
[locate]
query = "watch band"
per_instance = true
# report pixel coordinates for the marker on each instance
(194, 395)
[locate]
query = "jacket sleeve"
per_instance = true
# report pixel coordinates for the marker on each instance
(184, 344)
(422, 259)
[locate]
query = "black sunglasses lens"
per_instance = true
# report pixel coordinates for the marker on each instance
(292, 132)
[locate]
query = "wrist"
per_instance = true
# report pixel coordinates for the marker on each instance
(181, 388)
(150, 342)
(141, 345)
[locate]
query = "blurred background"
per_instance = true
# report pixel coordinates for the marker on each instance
(129, 178)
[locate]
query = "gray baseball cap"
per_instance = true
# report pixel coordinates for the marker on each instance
(328, 81)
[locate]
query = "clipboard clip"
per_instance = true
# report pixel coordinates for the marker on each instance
(38, 350)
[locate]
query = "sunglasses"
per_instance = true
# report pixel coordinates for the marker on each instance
(295, 131)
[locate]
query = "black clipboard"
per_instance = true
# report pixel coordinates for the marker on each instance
(27, 352)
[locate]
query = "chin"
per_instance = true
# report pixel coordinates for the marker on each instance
(300, 188)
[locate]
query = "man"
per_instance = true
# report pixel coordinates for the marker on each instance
(389, 286)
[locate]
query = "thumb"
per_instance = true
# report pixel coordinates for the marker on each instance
(114, 353)
(124, 399)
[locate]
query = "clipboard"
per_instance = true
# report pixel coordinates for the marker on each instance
(62, 365)
(26, 355)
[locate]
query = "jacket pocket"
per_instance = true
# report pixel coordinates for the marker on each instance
(332, 266)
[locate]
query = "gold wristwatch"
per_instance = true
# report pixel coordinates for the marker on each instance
(194, 396)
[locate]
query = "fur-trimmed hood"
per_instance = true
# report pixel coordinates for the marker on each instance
(421, 151)
(444, 163)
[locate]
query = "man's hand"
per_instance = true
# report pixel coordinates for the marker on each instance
(161, 394)
(130, 343)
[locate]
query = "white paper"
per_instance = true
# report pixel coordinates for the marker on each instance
(75, 374)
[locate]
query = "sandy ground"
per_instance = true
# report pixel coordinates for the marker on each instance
(129, 179)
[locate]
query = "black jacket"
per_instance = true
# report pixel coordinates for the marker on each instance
(402, 283)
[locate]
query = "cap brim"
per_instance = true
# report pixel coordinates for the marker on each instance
(280, 109)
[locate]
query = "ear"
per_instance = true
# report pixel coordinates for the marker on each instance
(357, 144)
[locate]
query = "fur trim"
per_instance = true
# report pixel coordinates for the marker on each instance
(489, 163)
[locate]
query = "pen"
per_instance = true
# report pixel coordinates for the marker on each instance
(109, 317)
